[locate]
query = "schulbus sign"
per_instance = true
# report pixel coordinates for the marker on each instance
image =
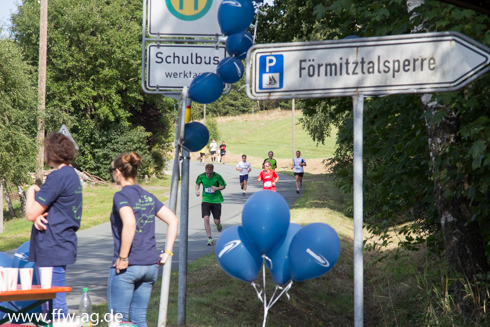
(415, 63)
(183, 17)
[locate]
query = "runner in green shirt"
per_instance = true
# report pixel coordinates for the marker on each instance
(271, 160)
(212, 198)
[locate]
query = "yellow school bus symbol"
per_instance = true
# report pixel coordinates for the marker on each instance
(188, 9)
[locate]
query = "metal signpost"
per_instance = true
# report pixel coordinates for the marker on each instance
(361, 67)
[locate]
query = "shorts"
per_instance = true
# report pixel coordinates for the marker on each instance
(243, 178)
(213, 153)
(299, 174)
(203, 154)
(208, 208)
(223, 153)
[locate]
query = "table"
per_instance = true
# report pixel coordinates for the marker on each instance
(37, 294)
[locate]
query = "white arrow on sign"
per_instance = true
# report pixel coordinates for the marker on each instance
(415, 63)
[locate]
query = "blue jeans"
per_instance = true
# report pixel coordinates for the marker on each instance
(128, 292)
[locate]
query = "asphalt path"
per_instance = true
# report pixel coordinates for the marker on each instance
(95, 245)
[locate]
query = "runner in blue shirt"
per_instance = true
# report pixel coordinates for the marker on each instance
(56, 211)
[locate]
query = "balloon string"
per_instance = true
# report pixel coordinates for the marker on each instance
(255, 286)
(266, 308)
(256, 23)
(268, 259)
(286, 289)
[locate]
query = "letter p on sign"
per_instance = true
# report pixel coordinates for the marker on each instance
(270, 61)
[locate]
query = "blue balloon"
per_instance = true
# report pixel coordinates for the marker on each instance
(5, 260)
(230, 70)
(196, 136)
(20, 261)
(265, 219)
(237, 255)
(314, 250)
(279, 255)
(206, 88)
(238, 44)
(235, 16)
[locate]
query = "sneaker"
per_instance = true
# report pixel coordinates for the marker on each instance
(241, 186)
(219, 228)
(210, 242)
(297, 191)
(243, 193)
(223, 163)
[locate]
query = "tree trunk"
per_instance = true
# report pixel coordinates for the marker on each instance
(9, 202)
(463, 241)
(22, 198)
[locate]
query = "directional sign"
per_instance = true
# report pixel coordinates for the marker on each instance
(173, 66)
(183, 17)
(415, 63)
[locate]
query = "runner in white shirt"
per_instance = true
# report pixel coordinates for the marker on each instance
(212, 149)
(244, 168)
(298, 164)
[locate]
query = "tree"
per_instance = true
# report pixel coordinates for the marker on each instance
(442, 188)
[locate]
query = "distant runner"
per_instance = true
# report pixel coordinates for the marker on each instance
(222, 150)
(268, 177)
(202, 155)
(212, 198)
(298, 164)
(212, 149)
(271, 160)
(244, 168)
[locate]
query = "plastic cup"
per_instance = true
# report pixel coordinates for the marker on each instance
(26, 278)
(46, 276)
(12, 278)
(3, 279)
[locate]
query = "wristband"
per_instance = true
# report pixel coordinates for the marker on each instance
(169, 253)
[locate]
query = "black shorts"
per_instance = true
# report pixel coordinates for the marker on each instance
(213, 153)
(203, 154)
(208, 208)
(243, 178)
(223, 153)
(298, 174)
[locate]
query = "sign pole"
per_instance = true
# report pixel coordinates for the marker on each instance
(358, 104)
(293, 128)
(184, 223)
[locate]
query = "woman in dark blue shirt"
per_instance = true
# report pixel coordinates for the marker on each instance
(56, 211)
(136, 260)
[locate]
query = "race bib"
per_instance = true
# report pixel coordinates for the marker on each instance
(297, 167)
(208, 190)
(268, 184)
(244, 169)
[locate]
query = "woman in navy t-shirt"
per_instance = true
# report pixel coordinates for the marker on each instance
(56, 211)
(136, 260)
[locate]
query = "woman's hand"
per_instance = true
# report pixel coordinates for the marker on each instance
(121, 265)
(163, 258)
(34, 188)
(40, 222)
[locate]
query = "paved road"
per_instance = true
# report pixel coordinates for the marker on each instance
(95, 245)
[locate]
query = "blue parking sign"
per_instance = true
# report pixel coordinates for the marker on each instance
(271, 72)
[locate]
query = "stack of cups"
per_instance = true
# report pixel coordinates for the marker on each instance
(26, 278)
(46, 275)
(8, 279)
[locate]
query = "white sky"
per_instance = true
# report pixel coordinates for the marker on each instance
(7, 7)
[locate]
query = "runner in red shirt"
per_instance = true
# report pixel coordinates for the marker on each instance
(268, 177)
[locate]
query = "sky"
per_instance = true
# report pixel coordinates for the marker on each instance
(7, 7)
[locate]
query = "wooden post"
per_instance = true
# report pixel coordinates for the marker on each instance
(294, 154)
(43, 49)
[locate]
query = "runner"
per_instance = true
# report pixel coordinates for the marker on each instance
(244, 168)
(212, 150)
(212, 198)
(222, 150)
(298, 164)
(268, 177)
(202, 158)
(271, 160)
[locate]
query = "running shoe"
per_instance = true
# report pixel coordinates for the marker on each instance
(297, 191)
(243, 193)
(219, 228)
(223, 163)
(241, 186)
(210, 242)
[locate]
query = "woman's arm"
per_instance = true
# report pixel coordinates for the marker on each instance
(167, 216)
(35, 211)
(127, 236)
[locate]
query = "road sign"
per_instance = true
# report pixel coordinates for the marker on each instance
(415, 63)
(64, 130)
(173, 66)
(183, 17)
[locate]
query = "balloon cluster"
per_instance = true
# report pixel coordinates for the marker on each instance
(292, 252)
(234, 17)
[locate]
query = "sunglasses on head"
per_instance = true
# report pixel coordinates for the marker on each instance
(112, 169)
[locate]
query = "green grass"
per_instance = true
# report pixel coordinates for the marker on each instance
(97, 206)
(257, 138)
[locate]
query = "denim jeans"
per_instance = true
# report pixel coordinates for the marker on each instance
(128, 292)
